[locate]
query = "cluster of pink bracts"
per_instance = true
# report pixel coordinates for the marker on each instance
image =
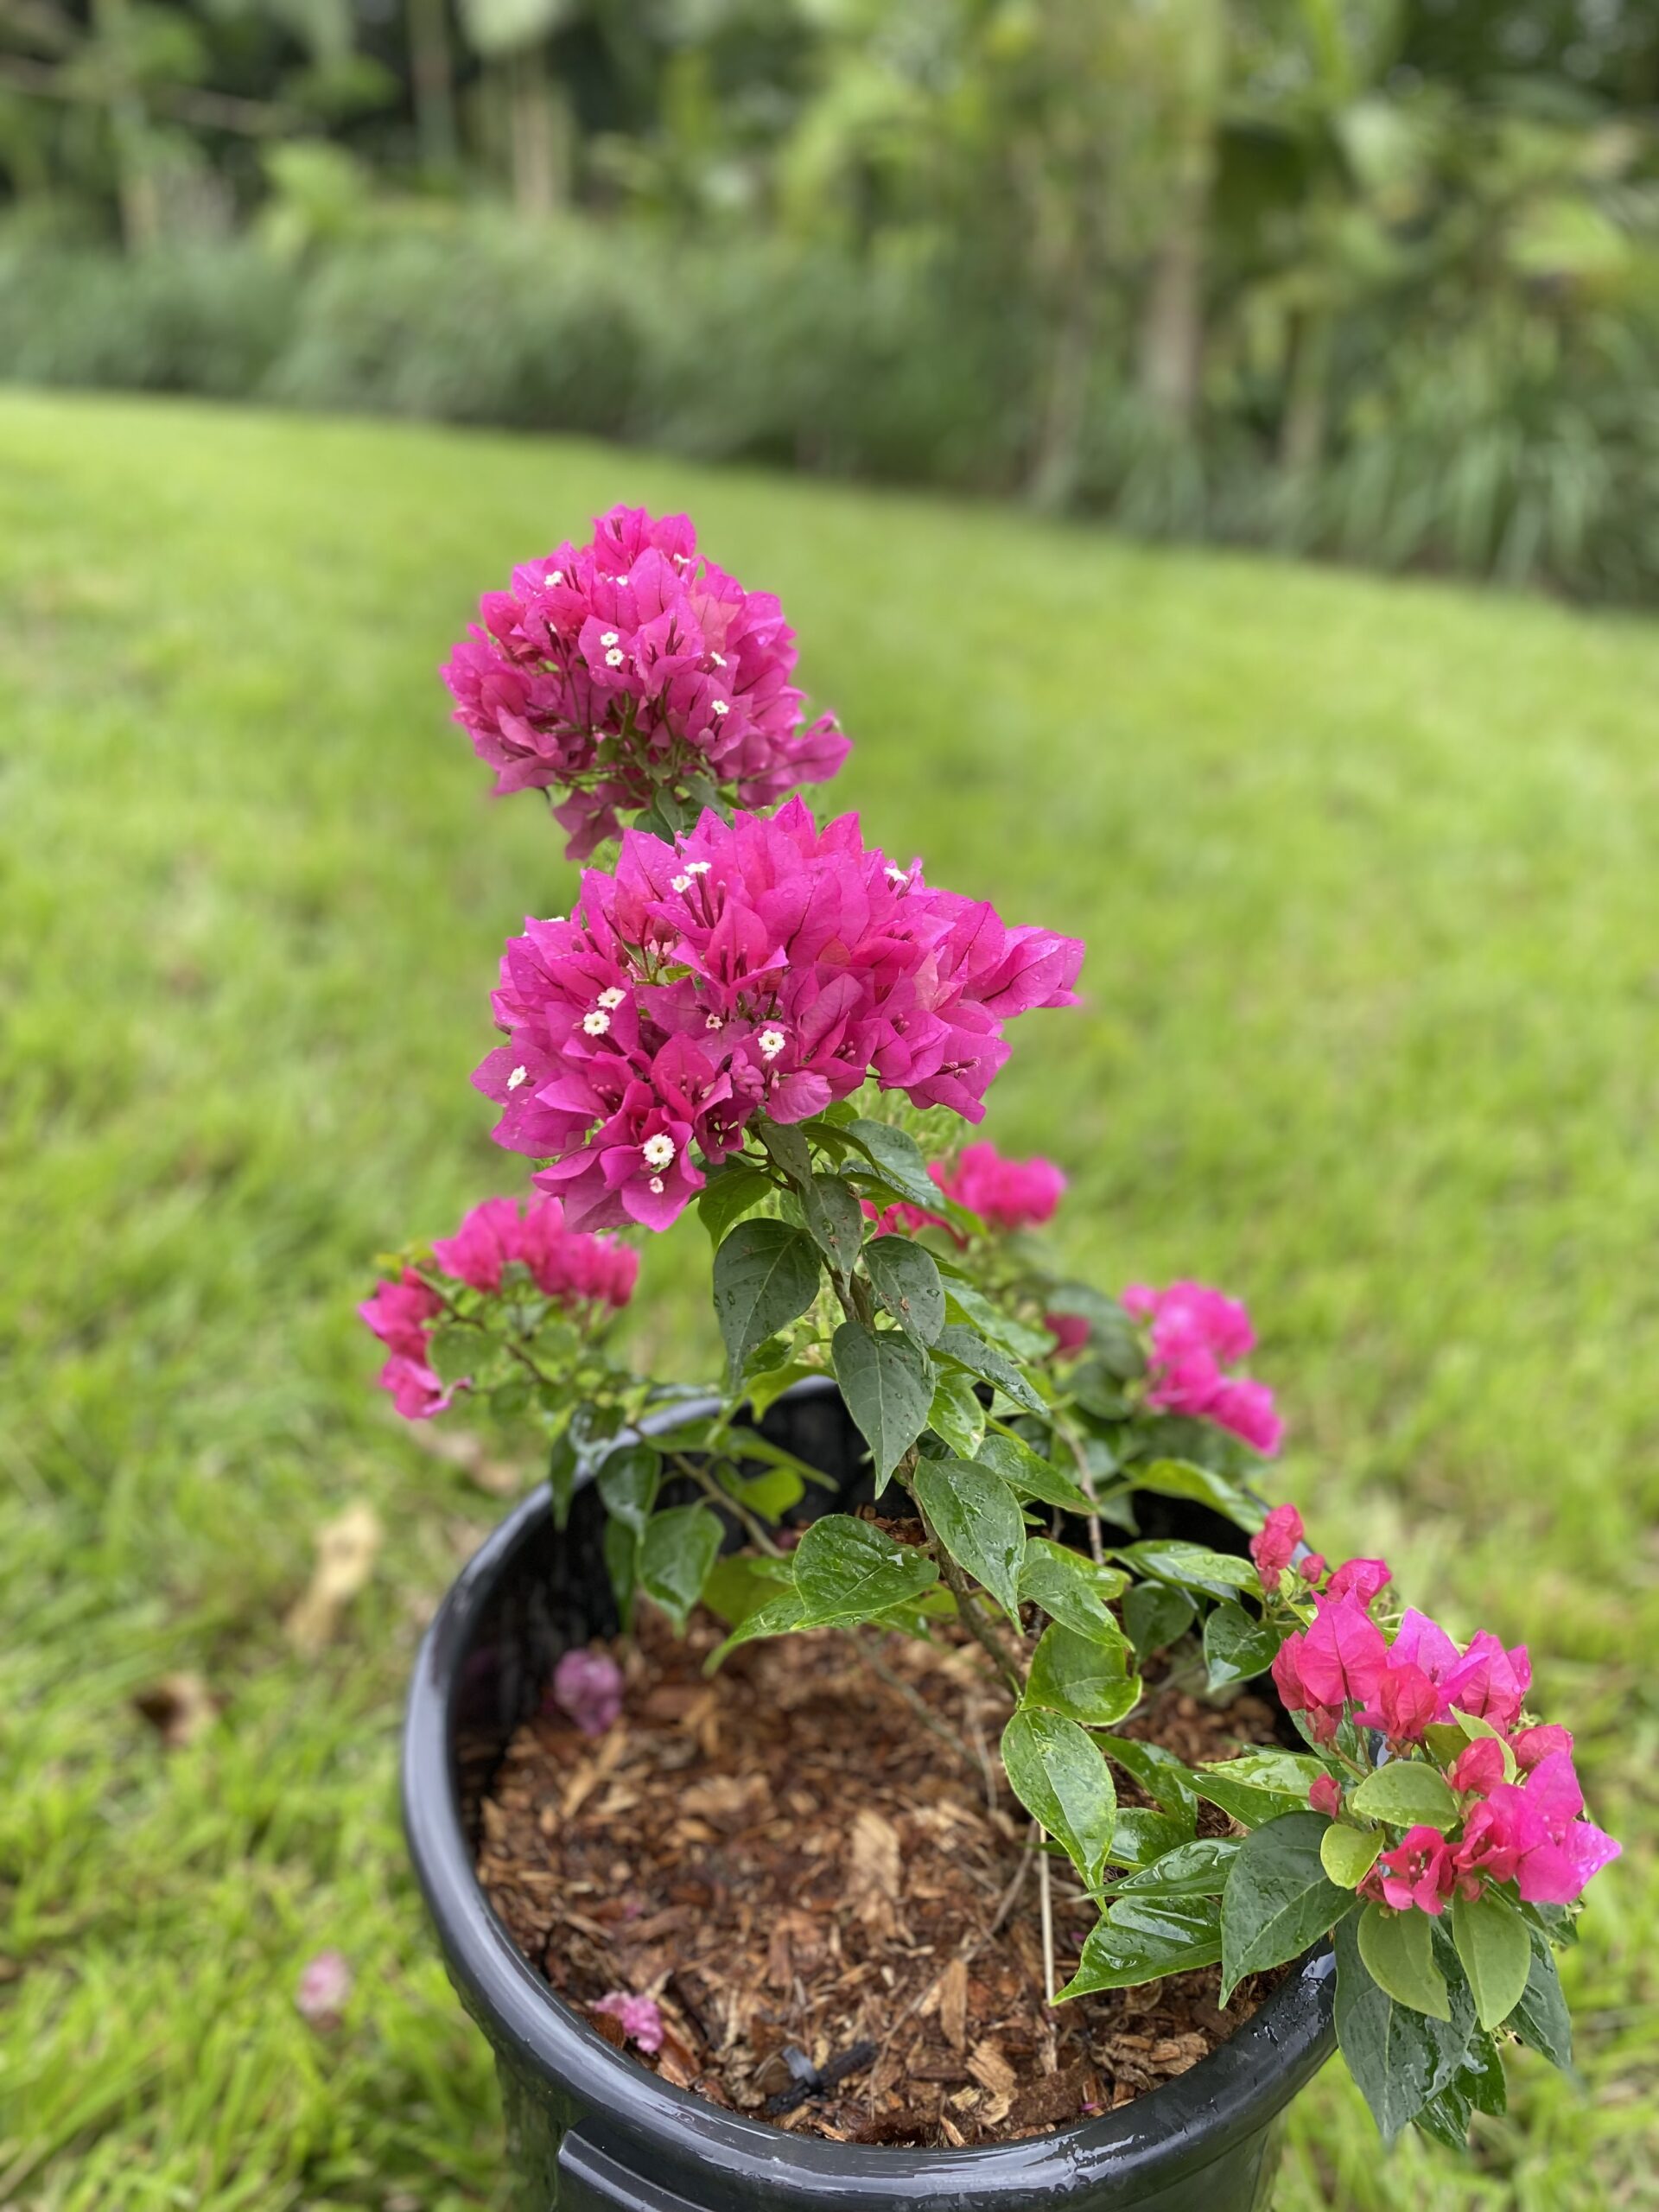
(1195, 1335)
(1005, 1193)
(629, 659)
(576, 1271)
(1342, 1666)
(763, 966)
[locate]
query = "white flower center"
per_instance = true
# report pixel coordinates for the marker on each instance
(723, 706)
(518, 1076)
(679, 883)
(612, 997)
(698, 868)
(719, 660)
(553, 577)
(714, 1022)
(609, 638)
(772, 1042)
(657, 1186)
(899, 875)
(613, 658)
(659, 1152)
(596, 1023)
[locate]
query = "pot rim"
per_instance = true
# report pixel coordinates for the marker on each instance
(1282, 2044)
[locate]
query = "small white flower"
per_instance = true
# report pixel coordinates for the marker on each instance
(658, 1151)
(596, 1023)
(609, 638)
(612, 997)
(723, 706)
(613, 658)
(772, 1042)
(719, 660)
(657, 1186)
(553, 577)
(518, 1076)
(714, 1022)
(898, 875)
(698, 868)
(679, 883)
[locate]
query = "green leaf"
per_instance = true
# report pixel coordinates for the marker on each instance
(1026, 1471)
(1407, 1794)
(621, 1550)
(769, 1495)
(728, 1193)
(1181, 1478)
(1398, 1948)
(1063, 1781)
(1349, 1855)
(1114, 1338)
(1141, 1938)
(1261, 1786)
(1399, 2057)
(454, 1350)
(1165, 1779)
(562, 1463)
(761, 1392)
(1478, 2086)
(976, 1519)
(956, 1413)
(905, 1278)
(1198, 1869)
(1541, 2019)
(1140, 1837)
(898, 1159)
(1278, 1899)
(1236, 1646)
(788, 1145)
(676, 1552)
(1071, 1589)
(740, 1583)
(971, 1351)
(765, 1274)
(1155, 1614)
(847, 1570)
(888, 1388)
(1493, 1944)
(1085, 1680)
(1191, 1567)
(831, 1212)
(965, 1302)
(779, 1616)
(628, 1479)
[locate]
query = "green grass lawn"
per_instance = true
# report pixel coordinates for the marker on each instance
(1370, 874)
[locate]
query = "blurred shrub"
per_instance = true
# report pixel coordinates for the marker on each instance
(1517, 445)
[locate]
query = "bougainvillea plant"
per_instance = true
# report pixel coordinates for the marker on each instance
(757, 1014)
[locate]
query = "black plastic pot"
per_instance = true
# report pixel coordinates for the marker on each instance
(589, 2131)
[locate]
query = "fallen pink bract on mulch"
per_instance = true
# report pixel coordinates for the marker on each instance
(786, 1855)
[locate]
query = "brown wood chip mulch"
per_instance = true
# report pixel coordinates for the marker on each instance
(795, 1865)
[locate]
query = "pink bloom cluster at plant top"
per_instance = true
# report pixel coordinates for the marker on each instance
(1005, 1193)
(1343, 1666)
(1195, 1334)
(763, 966)
(576, 1271)
(630, 659)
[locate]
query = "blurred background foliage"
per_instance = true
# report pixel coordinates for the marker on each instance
(1372, 278)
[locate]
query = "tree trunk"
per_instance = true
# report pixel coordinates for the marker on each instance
(1056, 462)
(135, 183)
(537, 136)
(1302, 433)
(432, 79)
(1171, 329)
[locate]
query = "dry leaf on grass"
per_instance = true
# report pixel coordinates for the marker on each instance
(178, 1708)
(348, 1547)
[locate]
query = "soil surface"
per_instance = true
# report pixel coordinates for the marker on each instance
(806, 1876)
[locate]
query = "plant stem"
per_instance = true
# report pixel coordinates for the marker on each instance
(753, 1526)
(914, 1698)
(1047, 1896)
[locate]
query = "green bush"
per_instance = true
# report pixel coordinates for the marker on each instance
(1504, 444)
